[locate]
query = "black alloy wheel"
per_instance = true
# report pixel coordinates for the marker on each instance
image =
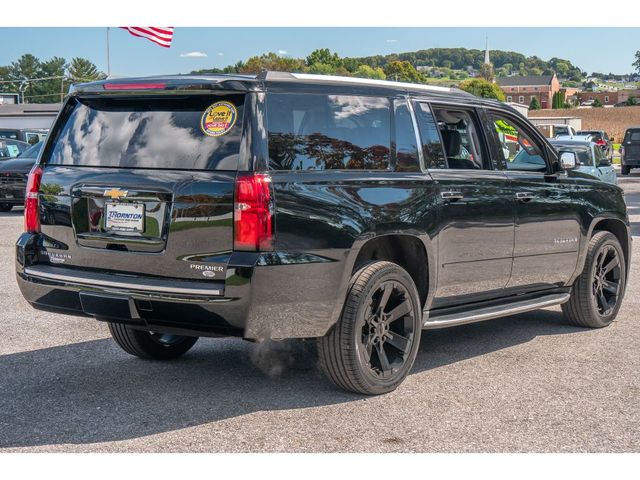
(596, 295)
(606, 279)
(387, 329)
(375, 342)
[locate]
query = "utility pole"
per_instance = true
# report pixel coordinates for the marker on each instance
(108, 56)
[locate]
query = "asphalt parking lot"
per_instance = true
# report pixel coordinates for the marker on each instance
(526, 383)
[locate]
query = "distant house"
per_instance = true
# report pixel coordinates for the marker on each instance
(606, 98)
(521, 89)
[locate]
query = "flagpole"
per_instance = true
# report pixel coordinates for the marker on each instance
(108, 56)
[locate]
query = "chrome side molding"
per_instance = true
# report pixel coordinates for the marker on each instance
(497, 311)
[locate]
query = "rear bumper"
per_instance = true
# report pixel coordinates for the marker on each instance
(264, 296)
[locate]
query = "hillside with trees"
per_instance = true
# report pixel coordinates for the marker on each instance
(407, 66)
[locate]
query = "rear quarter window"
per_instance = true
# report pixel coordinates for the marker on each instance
(154, 133)
(323, 132)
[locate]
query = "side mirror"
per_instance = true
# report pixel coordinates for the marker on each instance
(568, 160)
(604, 162)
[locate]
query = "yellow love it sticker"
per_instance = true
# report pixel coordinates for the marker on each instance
(218, 119)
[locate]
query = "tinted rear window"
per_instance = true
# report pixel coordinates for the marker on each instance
(318, 132)
(164, 133)
(633, 135)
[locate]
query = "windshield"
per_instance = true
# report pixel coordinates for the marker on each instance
(32, 151)
(199, 132)
(584, 154)
(11, 149)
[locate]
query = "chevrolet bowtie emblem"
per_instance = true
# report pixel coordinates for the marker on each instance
(115, 193)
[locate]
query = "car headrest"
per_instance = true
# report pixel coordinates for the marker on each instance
(452, 142)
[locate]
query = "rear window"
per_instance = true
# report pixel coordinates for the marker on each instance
(8, 134)
(633, 135)
(322, 132)
(163, 133)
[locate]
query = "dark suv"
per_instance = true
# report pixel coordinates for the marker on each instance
(630, 150)
(600, 138)
(350, 211)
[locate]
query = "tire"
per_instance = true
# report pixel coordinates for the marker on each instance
(149, 345)
(625, 170)
(596, 297)
(5, 207)
(374, 344)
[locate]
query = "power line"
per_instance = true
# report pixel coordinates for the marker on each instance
(19, 80)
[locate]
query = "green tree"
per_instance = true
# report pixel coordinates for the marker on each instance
(636, 64)
(365, 71)
(324, 56)
(535, 104)
(321, 69)
(557, 101)
(403, 71)
(631, 101)
(481, 88)
(597, 103)
(486, 72)
(274, 62)
(82, 70)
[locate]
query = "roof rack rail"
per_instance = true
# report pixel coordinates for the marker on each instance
(368, 81)
(273, 75)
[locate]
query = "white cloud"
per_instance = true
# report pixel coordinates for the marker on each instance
(193, 54)
(391, 40)
(221, 54)
(282, 52)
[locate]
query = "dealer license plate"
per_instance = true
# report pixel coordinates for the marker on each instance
(124, 217)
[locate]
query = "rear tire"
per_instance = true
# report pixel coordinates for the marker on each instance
(149, 345)
(5, 207)
(374, 344)
(597, 294)
(625, 170)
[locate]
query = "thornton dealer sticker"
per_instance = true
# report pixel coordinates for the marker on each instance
(219, 119)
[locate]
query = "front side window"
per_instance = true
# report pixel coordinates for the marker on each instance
(517, 148)
(324, 132)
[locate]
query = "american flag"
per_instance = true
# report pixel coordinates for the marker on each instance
(160, 35)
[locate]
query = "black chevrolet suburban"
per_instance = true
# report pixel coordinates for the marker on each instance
(354, 212)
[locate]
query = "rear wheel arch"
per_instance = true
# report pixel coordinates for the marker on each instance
(407, 251)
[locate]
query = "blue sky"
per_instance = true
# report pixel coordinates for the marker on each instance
(592, 49)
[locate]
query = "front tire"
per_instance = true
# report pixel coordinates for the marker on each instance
(5, 207)
(374, 344)
(150, 345)
(597, 294)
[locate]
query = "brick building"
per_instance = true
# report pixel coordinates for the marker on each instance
(521, 89)
(606, 98)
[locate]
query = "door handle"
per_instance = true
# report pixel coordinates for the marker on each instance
(451, 195)
(525, 196)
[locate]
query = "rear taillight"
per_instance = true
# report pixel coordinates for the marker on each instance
(31, 214)
(252, 215)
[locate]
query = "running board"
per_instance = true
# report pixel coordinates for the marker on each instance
(496, 311)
